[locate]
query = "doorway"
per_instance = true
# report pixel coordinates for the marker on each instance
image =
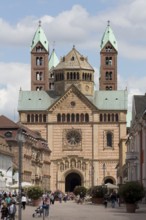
(71, 181)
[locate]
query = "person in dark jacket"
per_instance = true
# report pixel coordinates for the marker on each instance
(4, 211)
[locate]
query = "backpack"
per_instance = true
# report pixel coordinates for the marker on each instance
(12, 209)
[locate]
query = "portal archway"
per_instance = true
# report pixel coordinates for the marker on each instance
(109, 180)
(71, 181)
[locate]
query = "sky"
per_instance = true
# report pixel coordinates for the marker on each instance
(67, 23)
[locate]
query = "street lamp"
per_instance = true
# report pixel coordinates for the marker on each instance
(20, 140)
(104, 168)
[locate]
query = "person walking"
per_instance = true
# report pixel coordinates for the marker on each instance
(12, 210)
(23, 201)
(4, 211)
(105, 200)
(52, 199)
(113, 199)
(46, 205)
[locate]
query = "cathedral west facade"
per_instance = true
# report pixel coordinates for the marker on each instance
(83, 127)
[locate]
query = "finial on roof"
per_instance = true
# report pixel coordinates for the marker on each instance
(40, 23)
(108, 23)
(73, 46)
(20, 89)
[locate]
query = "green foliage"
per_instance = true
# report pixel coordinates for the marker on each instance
(97, 191)
(80, 190)
(34, 192)
(131, 192)
(57, 192)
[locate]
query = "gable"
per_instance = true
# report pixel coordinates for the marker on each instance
(73, 101)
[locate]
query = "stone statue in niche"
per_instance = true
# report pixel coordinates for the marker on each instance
(66, 164)
(38, 156)
(73, 164)
(33, 154)
(79, 164)
(61, 167)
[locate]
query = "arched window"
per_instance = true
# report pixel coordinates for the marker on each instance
(101, 118)
(58, 117)
(72, 117)
(32, 118)
(28, 118)
(63, 117)
(40, 118)
(74, 75)
(68, 117)
(41, 61)
(44, 118)
(36, 118)
(117, 117)
(108, 117)
(37, 61)
(82, 117)
(67, 75)
(112, 117)
(83, 76)
(77, 117)
(78, 75)
(109, 139)
(110, 75)
(104, 117)
(86, 117)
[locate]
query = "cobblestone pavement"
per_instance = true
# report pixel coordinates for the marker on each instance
(73, 211)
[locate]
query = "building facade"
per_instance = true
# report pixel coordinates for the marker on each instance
(6, 159)
(34, 152)
(83, 127)
(136, 142)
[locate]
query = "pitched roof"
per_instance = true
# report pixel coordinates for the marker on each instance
(7, 123)
(35, 100)
(40, 36)
(109, 36)
(74, 60)
(111, 100)
(53, 61)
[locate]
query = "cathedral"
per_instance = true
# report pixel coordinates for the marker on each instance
(83, 126)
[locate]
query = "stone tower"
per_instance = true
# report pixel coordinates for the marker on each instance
(39, 61)
(108, 57)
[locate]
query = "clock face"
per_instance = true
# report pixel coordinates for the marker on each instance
(73, 137)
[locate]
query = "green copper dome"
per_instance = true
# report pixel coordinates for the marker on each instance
(109, 36)
(40, 36)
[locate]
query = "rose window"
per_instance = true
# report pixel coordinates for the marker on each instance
(73, 137)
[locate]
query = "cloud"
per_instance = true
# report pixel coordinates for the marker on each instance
(13, 77)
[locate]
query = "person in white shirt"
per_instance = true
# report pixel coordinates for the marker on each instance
(23, 201)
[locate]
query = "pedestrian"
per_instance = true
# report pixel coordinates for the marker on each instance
(60, 197)
(12, 210)
(105, 200)
(52, 199)
(46, 206)
(23, 201)
(4, 211)
(113, 199)
(78, 199)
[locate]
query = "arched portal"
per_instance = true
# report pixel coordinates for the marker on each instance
(109, 180)
(71, 181)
